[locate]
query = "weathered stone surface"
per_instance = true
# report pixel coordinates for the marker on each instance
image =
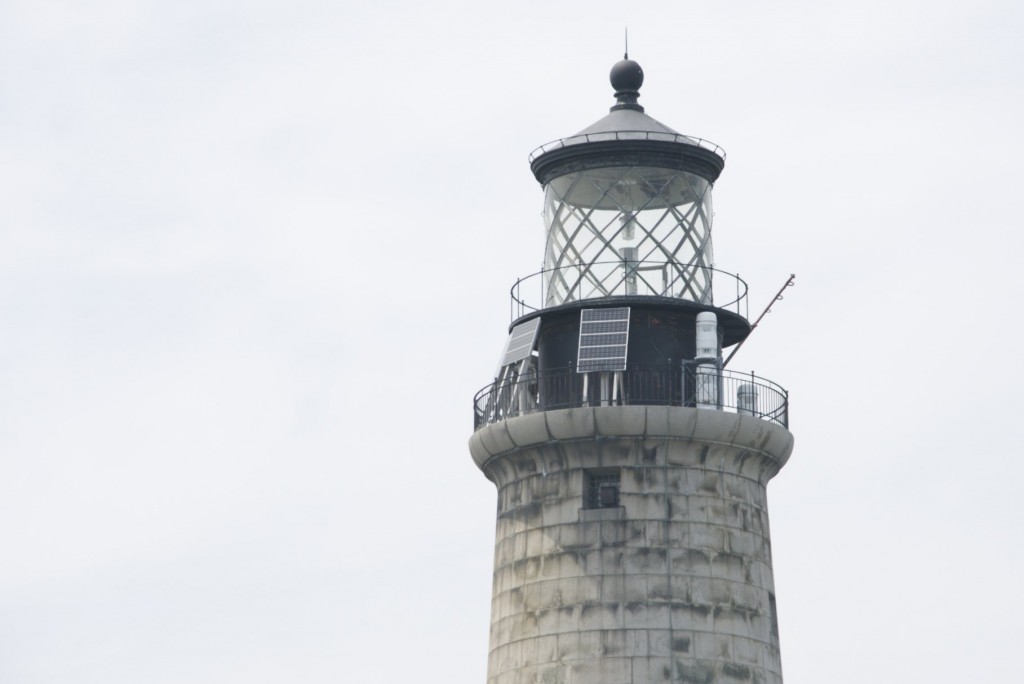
(570, 423)
(672, 585)
(529, 429)
(617, 421)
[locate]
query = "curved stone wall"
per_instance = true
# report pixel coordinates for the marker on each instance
(672, 585)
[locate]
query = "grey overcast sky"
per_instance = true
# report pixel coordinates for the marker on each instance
(254, 264)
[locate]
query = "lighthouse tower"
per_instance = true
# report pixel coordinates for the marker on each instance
(632, 540)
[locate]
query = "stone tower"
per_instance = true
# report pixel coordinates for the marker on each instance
(632, 539)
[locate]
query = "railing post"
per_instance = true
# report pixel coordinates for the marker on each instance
(746, 397)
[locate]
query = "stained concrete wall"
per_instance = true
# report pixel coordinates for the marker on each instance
(675, 585)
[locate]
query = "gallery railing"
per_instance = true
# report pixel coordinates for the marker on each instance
(691, 385)
(675, 280)
(627, 135)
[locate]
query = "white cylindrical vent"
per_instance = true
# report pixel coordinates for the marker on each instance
(707, 336)
(746, 399)
(707, 386)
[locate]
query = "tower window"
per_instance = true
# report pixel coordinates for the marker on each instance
(602, 489)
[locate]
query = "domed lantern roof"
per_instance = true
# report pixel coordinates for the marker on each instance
(627, 136)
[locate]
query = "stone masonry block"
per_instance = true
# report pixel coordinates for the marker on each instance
(549, 596)
(547, 622)
(681, 422)
(613, 533)
(730, 566)
(635, 588)
(658, 533)
(530, 594)
(604, 670)
(549, 542)
(561, 511)
(656, 616)
(680, 587)
(636, 643)
(693, 616)
(646, 561)
(743, 543)
(707, 537)
(659, 642)
(528, 430)
(568, 645)
(528, 652)
(644, 506)
(658, 422)
(550, 565)
(712, 646)
(588, 590)
(547, 649)
(779, 444)
(590, 644)
(722, 593)
(591, 616)
(636, 533)
(534, 542)
(613, 589)
(753, 433)
(552, 673)
(545, 486)
(571, 423)
(619, 421)
(677, 507)
(716, 427)
(693, 562)
(652, 670)
(495, 438)
(734, 622)
(614, 452)
(659, 588)
(682, 453)
(736, 672)
(746, 650)
(568, 619)
(569, 566)
(688, 671)
(634, 615)
(611, 617)
(613, 643)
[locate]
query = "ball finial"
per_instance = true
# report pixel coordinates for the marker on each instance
(627, 76)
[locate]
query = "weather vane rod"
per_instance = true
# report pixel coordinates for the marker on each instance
(626, 55)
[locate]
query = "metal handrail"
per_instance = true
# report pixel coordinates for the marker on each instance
(522, 304)
(627, 135)
(638, 385)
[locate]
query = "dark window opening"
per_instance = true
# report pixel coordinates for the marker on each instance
(602, 489)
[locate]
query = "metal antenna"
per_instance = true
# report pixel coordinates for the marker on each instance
(626, 55)
(767, 310)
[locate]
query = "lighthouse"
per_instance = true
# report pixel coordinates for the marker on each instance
(632, 542)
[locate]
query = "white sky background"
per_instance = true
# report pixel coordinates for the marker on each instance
(254, 264)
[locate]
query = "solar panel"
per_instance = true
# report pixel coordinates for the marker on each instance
(520, 342)
(604, 339)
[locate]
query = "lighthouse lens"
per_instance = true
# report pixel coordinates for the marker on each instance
(628, 230)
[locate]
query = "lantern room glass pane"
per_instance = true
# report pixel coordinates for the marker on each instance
(628, 231)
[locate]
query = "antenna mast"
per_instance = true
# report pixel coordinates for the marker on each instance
(767, 310)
